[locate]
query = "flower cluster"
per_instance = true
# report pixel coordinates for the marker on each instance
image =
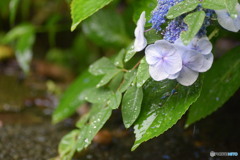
(170, 58)
(159, 13)
(174, 60)
(177, 61)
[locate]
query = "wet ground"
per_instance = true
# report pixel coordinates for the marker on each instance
(26, 132)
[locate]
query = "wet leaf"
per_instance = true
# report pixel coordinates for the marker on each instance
(127, 81)
(106, 28)
(72, 98)
(108, 77)
(164, 103)
(131, 105)
(99, 114)
(220, 83)
(213, 4)
(194, 22)
(129, 53)
(115, 100)
(101, 66)
(181, 8)
(67, 146)
(116, 81)
(96, 95)
(142, 73)
(231, 7)
(118, 61)
(81, 9)
(102, 96)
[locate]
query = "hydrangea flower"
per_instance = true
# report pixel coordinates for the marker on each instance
(227, 22)
(196, 57)
(140, 41)
(163, 60)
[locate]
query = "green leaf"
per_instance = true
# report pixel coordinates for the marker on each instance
(23, 36)
(72, 97)
(194, 22)
(17, 32)
(231, 7)
(144, 5)
(102, 96)
(127, 81)
(220, 83)
(116, 81)
(214, 4)
(115, 100)
(106, 28)
(181, 8)
(142, 73)
(99, 115)
(101, 66)
(96, 95)
(13, 6)
(152, 36)
(108, 77)
(24, 50)
(82, 121)
(118, 61)
(130, 52)
(164, 103)
(131, 105)
(81, 9)
(67, 146)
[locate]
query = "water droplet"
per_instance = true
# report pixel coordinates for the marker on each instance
(86, 141)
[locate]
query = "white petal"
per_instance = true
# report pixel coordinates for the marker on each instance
(190, 58)
(179, 42)
(207, 63)
(140, 42)
(172, 64)
(153, 54)
(204, 46)
(193, 60)
(157, 72)
(167, 48)
(173, 76)
(187, 76)
(226, 21)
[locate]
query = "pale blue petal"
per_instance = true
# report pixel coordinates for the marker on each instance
(226, 21)
(153, 54)
(204, 46)
(173, 76)
(140, 41)
(167, 48)
(187, 76)
(207, 63)
(193, 60)
(157, 72)
(172, 64)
